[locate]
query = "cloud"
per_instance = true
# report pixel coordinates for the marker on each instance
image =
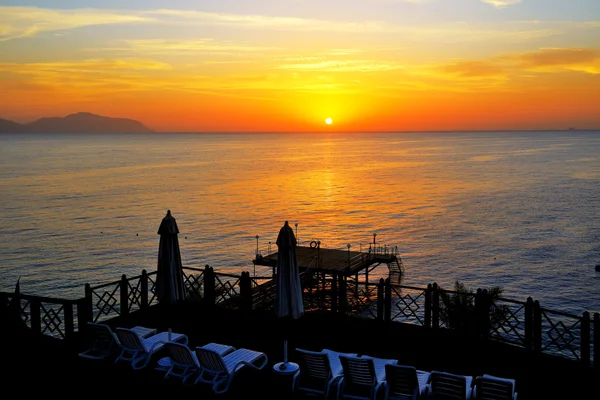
(192, 46)
(550, 60)
(91, 67)
(265, 22)
(553, 60)
(19, 22)
(345, 66)
(473, 69)
(501, 3)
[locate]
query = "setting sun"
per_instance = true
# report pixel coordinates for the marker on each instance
(328, 121)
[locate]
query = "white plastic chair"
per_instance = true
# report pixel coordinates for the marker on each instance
(219, 371)
(318, 372)
(490, 387)
(138, 351)
(181, 361)
(404, 382)
(448, 386)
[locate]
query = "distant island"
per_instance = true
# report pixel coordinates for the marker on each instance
(81, 122)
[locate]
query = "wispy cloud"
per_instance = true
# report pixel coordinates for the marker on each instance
(18, 22)
(345, 66)
(551, 60)
(501, 3)
(560, 59)
(192, 46)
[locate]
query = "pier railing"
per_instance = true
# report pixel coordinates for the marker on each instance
(524, 324)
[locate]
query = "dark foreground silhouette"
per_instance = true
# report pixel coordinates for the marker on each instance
(41, 365)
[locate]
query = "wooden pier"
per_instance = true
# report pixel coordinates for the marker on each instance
(341, 263)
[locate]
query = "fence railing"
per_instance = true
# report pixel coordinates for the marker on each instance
(525, 324)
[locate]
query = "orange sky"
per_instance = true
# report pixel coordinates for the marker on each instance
(381, 65)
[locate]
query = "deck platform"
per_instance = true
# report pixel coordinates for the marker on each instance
(337, 262)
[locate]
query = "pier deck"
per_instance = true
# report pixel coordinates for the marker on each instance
(334, 261)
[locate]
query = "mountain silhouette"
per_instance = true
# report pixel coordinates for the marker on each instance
(12, 127)
(81, 122)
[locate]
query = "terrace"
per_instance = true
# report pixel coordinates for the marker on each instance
(534, 345)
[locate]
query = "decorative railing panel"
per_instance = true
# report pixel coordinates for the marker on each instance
(106, 301)
(227, 288)
(362, 298)
(561, 334)
(507, 322)
(58, 318)
(193, 279)
(408, 304)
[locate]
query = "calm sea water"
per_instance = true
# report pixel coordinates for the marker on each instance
(515, 209)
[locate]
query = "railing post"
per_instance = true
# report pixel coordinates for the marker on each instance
(209, 286)
(36, 319)
(245, 291)
(88, 306)
(435, 306)
(428, 294)
(529, 324)
(69, 323)
(124, 298)
(343, 294)
(597, 341)
(144, 290)
(380, 299)
(334, 293)
(388, 300)
(585, 339)
(537, 328)
(82, 316)
(482, 310)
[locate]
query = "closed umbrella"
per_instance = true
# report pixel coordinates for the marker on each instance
(169, 273)
(288, 295)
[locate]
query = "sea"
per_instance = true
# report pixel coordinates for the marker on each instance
(520, 210)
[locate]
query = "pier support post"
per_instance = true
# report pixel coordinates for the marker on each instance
(388, 300)
(334, 293)
(380, 299)
(343, 294)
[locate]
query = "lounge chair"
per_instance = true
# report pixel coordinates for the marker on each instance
(404, 382)
(489, 387)
(181, 361)
(362, 377)
(103, 341)
(219, 370)
(447, 386)
(318, 372)
(138, 351)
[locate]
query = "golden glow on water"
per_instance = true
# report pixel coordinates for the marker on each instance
(458, 206)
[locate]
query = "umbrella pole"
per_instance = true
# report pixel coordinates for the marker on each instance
(285, 356)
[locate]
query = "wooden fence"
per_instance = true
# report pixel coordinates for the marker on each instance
(524, 324)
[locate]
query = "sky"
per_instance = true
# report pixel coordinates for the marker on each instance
(288, 65)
